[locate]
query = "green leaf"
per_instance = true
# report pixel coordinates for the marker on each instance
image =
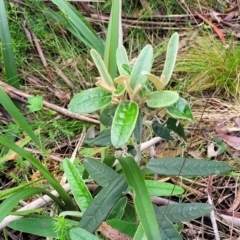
(162, 131)
(102, 69)
(82, 26)
(140, 234)
(118, 210)
(103, 203)
(107, 114)
(99, 171)
(138, 128)
(17, 116)
(124, 122)
(89, 101)
(37, 164)
(171, 57)
(43, 226)
(114, 32)
(130, 214)
(102, 140)
(141, 197)
(78, 233)
(187, 167)
(180, 109)
(171, 125)
(12, 201)
(143, 64)
(7, 49)
(122, 59)
(184, 211)
(167, 229)
(162, 99)
(35, 103)
(156, 188)
(79, 190)
(127, 228)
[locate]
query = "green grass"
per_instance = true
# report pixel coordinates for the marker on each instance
(210, 65)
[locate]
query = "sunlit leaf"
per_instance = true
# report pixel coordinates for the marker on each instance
(171, 57)
(124, 122)
(180, 109)
(142, 64)
(162, 99)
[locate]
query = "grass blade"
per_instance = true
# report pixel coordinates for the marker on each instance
(11, 202)
(112, 40)
(92, 41)
(7, 49)
(35, 162)
(17, 116)
(141, 199)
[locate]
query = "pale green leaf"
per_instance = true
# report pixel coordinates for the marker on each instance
(78, 233)
(102, 69)
(142, 64)
(122, 59)
(171, 57)
(89, 101)
(162, 99)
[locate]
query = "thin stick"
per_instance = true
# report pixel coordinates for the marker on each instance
(63, 111)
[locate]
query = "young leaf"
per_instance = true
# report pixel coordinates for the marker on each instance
(79, 190)
(187, 167)
(78, 233)
(124, 122)
(35, 103)
(99, 171)
(89, 100)
(122, 59)
(156, 188)
(103, 203)
(141, 197)
(171, 57)
(140, 234)
(162, 99)
(157, 82)
(184, 211)
(105, 76)
(118, 210)
(180, 109)
(143, 64)
(43, 226)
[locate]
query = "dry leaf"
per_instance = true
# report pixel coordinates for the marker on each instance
(112, 233)
(231, 140)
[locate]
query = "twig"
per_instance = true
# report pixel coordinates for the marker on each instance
(63, 111)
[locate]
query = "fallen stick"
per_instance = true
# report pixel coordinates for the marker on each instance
(15, 93)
